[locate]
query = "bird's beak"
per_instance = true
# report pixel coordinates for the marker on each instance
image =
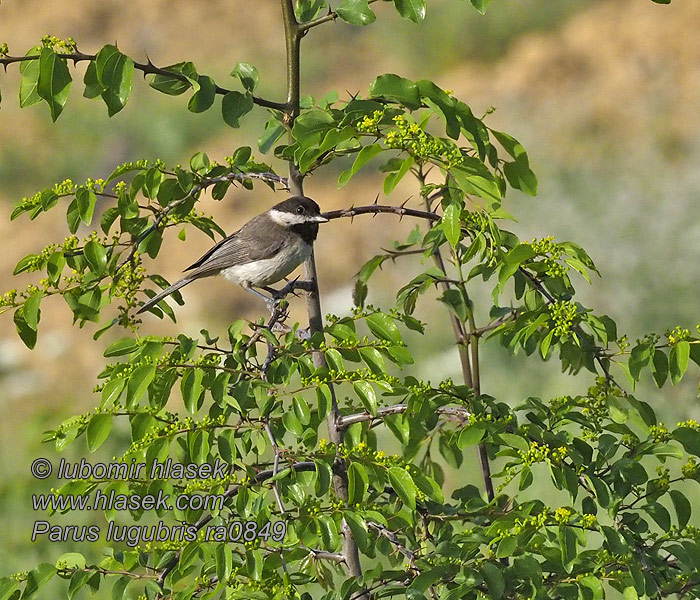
(321, 219)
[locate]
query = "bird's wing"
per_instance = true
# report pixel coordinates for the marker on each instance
(237, 249)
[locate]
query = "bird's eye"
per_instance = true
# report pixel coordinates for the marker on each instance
(300, 210)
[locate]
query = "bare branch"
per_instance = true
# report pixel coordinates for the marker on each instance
(381, 208)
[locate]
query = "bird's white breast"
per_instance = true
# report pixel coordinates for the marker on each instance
(270, 270)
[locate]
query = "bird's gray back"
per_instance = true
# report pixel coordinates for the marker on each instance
(242, 247)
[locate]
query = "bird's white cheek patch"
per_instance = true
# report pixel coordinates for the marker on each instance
(286, 219)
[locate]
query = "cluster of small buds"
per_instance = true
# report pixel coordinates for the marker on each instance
(659, 433)
(549, 249)
(691, 469)
(537, 453)
(19, 576)
(678, 334)
(4, 50)
(358, 375)
(690, 424)
(546, 246)
(169, 545)
(596, 404)
(623, 343)
(64, 188)
(95, 185)
(650, 338)
(411, 137)
(370, 124)
(556, 404)
(57, 44)
(562, 515)
(663, 482)
(129, 282)
(120, 187)
(629, 440)
(419, 388)
(589, 521)
(562, 315)
(9, 298)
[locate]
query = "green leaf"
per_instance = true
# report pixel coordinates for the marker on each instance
(85, 200)
(203, 98)
(98, 430)
(367, 396)
(114, 73)
(413, 10)
(224, 561)
(567, 542)
(392, 179)
(96, 256)
(594, 584)
(329, 532)
(383, 327)
(112, 390)
(402, 482)
(506, 547)
(546, 343)
(93, 88)
(32, 314)
(248, 75)
(363, 157)
(302, 410)
(29, 70)
(660, 367)
(356, 12)
(660, 515)
(54, 267)
(682, 506)
(690, 438)
(398, 89)
(305, 10)
(26, 333)
(235, 105)
(8, 587)
(359, 530)
(678, 359)
(139, 380)
(357, 483)
(38, 578)
(274, 130)
(324, 474)
(470, 435)
(494, 580)
(451, 224)
(454, 298)
(482, 5)
(121, 347)
(179, 82)
(191, 388)
(521, 177)
(54, 81)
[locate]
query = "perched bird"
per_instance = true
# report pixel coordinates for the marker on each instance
(266, 249)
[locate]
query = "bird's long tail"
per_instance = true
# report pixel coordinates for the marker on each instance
(166, 292)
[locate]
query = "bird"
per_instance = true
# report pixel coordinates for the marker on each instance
(263, 251)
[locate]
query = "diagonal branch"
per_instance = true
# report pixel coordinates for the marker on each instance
(147, 68)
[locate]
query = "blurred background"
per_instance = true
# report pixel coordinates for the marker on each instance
(604, 95)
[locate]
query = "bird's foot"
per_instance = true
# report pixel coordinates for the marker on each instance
(291, 288)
